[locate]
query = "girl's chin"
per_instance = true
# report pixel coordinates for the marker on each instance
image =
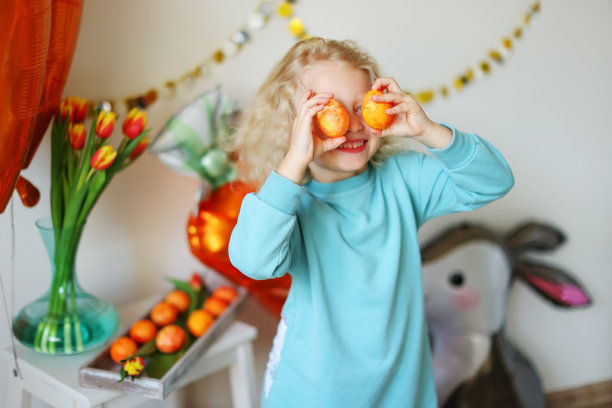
(353, 168)
(327, 174)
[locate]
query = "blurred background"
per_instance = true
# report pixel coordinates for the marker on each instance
(546, 108)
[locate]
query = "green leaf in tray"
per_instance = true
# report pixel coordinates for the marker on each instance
(159, 363)
(144, 351)
(196, 296)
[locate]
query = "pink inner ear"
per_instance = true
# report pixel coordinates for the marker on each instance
(566, 293)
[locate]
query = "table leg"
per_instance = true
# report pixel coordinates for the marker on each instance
(17, 396)
(242, 378)
(176, 398)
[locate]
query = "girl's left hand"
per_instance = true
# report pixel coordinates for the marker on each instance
(410, 119)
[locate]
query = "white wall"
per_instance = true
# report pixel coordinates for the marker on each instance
(546, 109)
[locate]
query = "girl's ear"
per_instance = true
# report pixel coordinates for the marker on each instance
(553, 284)
(534, 236)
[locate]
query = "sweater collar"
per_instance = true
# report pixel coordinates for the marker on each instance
(341, 186)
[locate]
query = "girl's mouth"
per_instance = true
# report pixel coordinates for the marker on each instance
(353, 146)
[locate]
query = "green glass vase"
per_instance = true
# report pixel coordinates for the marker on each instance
(65, 320)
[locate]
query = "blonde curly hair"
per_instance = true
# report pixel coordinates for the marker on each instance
(262, 138)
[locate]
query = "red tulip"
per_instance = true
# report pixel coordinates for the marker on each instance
(66, 110)
(135, 123)
(196, 281)
(134, 366)
(79, 108)
(140, 147)
(105, 124)
(77, 135)
(103, 158)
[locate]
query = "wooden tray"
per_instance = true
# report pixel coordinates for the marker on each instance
(103, 373)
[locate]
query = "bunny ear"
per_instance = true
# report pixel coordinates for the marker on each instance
(534, 236)
(554, 284)
(453, 237)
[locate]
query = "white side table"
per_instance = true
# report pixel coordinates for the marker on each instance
(55, 379)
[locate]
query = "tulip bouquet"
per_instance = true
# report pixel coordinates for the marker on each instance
(82, 166)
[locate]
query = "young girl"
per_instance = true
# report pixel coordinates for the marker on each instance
(341, 216)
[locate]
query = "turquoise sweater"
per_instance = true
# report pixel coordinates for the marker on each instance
(356, 333)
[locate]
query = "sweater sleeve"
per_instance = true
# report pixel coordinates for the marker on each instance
(465, 175)
(260, 243)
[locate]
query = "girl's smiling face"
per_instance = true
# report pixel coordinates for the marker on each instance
(349, 85)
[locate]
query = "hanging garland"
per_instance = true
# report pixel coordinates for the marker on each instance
(496, 55)
(230, 47)
(266, 9)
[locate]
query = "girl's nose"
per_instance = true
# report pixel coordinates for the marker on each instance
(355, 122)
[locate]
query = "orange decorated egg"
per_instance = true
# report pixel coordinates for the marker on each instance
(164, 313)
(374, 112)
(179, 298)
(170, 338)
(199, 321)
(214, 306)
(333, 119)
(122, 348)
(225, 293)
(143, 331)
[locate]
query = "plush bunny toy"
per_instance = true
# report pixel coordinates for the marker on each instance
(467, 272)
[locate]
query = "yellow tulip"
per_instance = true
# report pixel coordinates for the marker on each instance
(103, 158)
(105, 124)
(135, 123)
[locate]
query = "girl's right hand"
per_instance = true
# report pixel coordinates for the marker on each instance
(304, 144)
